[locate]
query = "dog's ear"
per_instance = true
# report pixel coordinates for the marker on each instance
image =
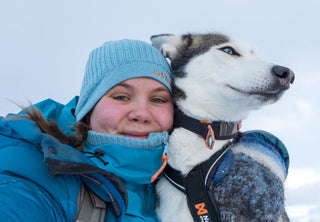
(170, 45)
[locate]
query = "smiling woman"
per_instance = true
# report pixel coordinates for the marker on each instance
(134, 108)
(102, 149)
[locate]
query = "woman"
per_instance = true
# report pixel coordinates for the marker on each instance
(104, 173)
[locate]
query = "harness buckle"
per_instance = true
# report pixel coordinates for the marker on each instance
(210, 137)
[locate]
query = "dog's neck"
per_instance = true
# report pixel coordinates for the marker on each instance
(210, 132)
(193, 141)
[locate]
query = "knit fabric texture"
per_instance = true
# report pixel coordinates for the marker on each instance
(115, 62)
(252, 189)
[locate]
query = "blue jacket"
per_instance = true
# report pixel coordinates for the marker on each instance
(40, 178)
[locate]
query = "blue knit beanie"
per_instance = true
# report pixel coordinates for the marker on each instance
(117, 61)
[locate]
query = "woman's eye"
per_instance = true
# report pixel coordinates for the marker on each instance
(229, 50)
(158, 100)
(121, 98)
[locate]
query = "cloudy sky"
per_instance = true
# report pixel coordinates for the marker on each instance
(45, 44)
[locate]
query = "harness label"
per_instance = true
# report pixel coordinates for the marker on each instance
(201, 208)
(204, 219)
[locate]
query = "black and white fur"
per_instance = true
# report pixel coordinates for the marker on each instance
(216, 79)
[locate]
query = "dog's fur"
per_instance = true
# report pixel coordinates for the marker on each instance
(219, 79)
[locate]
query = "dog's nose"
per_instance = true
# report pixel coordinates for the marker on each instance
(285, 75)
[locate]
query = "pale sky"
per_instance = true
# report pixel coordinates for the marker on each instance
(45, 44)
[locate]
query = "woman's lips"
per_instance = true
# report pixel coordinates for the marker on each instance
(138, 135)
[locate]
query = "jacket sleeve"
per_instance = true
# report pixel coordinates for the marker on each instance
(27, 191)
(23, 200)
(273, 141)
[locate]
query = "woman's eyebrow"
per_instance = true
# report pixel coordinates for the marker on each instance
(128, 86)
(125, 85)
(160, 89)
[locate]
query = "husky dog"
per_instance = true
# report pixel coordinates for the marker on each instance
(218, 80)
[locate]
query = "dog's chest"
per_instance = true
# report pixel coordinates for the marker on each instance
(173, 205)
(187, 150)
(240, 193)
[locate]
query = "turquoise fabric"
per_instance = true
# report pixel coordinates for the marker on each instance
(125, 160)
(273, 141)
(134, 165)
(25, 177)
(22, 200)
(36, 196)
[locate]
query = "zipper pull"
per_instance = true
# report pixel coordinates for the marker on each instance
(164, 163)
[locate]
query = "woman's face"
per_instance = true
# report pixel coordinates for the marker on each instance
(134, 108)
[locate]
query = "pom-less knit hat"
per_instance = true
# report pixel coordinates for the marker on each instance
(117, 61)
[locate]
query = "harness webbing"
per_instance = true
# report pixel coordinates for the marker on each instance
(198, 183)
(197, 187)
(222, 130)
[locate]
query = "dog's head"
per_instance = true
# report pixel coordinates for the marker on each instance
(216, 78)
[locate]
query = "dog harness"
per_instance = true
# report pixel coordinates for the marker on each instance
(216, 130)
(197, 186)
(198, 183)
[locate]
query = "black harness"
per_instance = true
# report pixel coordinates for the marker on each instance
(197, 184)
(216, 130)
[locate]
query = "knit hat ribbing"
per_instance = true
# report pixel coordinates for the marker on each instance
(117, 61)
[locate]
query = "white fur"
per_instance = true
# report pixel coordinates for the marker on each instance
(216, 71)
(218, 86)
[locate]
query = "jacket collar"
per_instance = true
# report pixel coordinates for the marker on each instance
(133, 160)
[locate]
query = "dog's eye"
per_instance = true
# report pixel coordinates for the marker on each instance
(230, 51)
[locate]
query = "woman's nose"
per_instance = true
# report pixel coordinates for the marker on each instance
(140, 113)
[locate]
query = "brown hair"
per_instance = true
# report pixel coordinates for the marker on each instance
(52, 128)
